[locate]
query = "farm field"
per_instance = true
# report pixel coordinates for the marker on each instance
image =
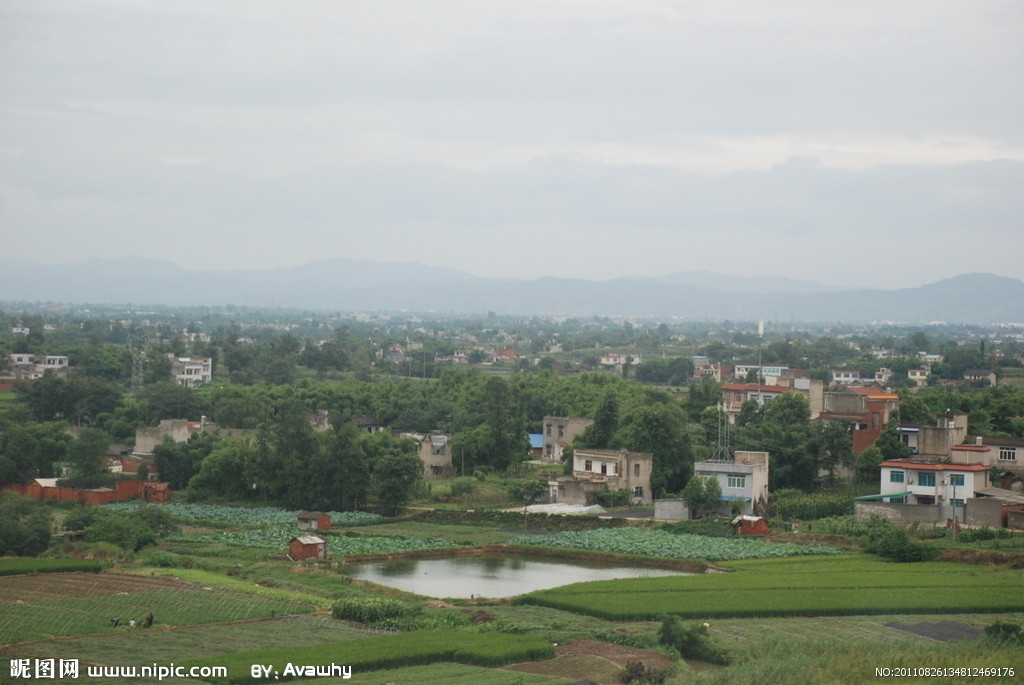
(793, 587)
(48, 605)
(224, 603)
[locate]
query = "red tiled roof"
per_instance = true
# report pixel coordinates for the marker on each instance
(972, 448)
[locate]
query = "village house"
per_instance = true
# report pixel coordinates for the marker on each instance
(744, 480)
(597, 470)
(559, 432)
(27, 366)
(190, 372)
(435, 452)
(866, 412)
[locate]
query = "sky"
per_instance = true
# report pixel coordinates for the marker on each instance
(852, 144)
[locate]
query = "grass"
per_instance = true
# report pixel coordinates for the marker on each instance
(142, 647)
(791, 587)
(81, 616)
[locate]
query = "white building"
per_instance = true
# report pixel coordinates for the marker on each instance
(910, 482)
(191, 372)
(744, 479)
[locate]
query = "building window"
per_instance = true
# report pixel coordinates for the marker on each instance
(895, 476)
(925, 499)
(1008, 454)
(958, 503)
(549, 449)
(636, 470)
(898, 500)
(737, 481)
(561, 431)
(604, 469)
(587, 465)
(927, 479)
(956, 479)
(549, 429)
(638, 492)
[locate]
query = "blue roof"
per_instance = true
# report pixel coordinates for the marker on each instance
(536, 441)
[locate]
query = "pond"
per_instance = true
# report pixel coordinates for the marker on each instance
(492, 576)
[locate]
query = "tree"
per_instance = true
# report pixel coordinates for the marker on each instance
(782, 427)
(25, 526)
(702, 493)
(85, 453)
(395, 480)
(660, 429)
(598, 435)
(835, 446)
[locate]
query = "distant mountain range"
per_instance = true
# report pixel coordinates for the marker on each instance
(356, 285)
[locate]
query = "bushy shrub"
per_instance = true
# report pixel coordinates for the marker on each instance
(614, 499)
(692, 641)
(462, 486)
(981, 534)
(1005, 633)
(891, 542)
(372, 611)
(636, 672)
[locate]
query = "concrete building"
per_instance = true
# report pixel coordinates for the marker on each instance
(597, 470)
(558, 432)
(191, 372)
(744, 479)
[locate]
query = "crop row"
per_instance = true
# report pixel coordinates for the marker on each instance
(247, 515)
(392, 651)
(658, 543)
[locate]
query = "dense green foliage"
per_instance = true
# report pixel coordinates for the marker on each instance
(10, 566)
(794, 504)
(25, 525)
(372, 611)
(692, 640)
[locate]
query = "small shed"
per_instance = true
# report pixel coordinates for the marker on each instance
(314, 520)
(750, 525)
(307, 547)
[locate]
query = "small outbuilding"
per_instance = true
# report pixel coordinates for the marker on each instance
(750, 525)
(307, 547)
(314, 520)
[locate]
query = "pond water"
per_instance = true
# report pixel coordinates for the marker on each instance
(491, 576)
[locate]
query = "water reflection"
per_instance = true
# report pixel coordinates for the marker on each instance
(491, 576)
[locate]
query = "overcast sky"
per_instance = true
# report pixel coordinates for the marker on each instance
(868, 143)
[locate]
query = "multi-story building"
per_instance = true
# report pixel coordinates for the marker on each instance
(743, 479)
(191, 372)
(597, 470)
(559, 432)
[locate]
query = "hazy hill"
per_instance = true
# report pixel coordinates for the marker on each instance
(357, 285)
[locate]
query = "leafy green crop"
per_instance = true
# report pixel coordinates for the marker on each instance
(657, 543)
(246, 515)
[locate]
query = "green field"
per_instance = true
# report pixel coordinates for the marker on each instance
(57, 604)
(797, 587)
